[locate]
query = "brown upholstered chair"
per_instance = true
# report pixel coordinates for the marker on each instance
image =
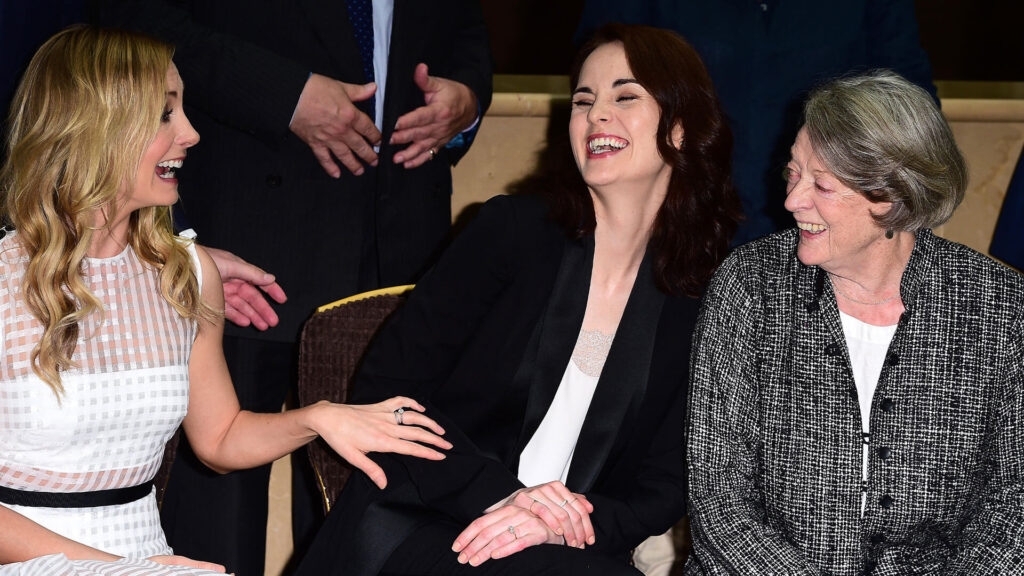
(332, 344)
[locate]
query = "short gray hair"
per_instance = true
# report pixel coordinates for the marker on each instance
(884, 137)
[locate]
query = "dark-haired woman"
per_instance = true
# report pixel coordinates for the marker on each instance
(551, 342)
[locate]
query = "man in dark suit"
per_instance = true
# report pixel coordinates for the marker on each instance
(334, 184)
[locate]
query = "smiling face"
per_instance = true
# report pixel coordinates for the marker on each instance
(155, 183)
(614, 125)
(837, 231)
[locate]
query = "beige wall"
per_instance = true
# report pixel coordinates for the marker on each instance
(990, 134)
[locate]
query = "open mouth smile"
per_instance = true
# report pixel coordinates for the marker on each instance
(603, 144)
(810, 228)
(165, 169)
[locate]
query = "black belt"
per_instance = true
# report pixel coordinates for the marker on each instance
(110, 497)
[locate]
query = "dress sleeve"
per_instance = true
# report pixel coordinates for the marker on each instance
(417, 351)
(188, 238)
(727, 514)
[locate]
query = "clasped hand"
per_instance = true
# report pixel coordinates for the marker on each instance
(544, 514)
(327, 119)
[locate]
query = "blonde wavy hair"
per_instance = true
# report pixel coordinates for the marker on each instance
(86, 109)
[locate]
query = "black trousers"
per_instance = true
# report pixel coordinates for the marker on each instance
(428, 552)
(223, 518)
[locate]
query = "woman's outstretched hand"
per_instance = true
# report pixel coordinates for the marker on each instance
(354, 430)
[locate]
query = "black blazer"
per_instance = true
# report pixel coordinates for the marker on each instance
(483, 342)
(253, 187)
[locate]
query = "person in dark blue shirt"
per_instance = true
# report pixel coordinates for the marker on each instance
(1008, 240)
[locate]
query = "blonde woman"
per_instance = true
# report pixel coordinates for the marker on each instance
(111, 327)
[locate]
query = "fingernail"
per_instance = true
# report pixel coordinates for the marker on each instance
(462, 558)
(399, 158)
(591, 540)
(374, 163)
(475, 561)
(456, 547)
(359, 172)
(558, 531)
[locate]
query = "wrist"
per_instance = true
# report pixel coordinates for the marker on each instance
(314, 417)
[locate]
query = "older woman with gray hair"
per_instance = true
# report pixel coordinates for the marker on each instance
(857, 382)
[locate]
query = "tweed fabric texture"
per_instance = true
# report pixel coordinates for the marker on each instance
(775, 428)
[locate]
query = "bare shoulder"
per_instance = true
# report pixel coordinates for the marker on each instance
(212, 290)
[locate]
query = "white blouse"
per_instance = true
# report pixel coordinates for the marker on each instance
(867, 345)
(548, 454)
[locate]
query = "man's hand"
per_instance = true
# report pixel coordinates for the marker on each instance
(450, 108)
(243, 302)
(326, 119)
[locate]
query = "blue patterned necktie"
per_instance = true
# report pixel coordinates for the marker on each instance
(360, 14)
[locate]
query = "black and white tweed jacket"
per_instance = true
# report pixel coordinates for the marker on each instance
(775, 438)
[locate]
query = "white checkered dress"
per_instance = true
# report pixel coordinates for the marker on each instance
(121, 404)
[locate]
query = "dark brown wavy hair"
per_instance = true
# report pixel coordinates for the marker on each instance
(701, 210)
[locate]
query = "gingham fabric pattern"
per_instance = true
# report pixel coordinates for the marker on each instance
(59, 565)
(775, 428)
(121, 404)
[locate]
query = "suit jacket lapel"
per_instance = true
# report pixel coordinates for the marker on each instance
(333, 28)
(623, 381)
(555, 337)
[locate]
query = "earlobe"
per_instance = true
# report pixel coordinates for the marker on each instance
(677, 136)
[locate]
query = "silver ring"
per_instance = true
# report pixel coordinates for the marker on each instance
(433, 153)
(512, 531)
(399, 419)
(563, 503)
